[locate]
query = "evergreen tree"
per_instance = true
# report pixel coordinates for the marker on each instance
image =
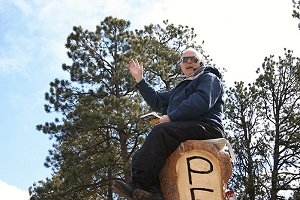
(100, 128)
(296, 195)
(279, 89)
(243, 119)
(263, 125)
(296, 11)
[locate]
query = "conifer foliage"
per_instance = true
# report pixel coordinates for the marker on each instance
(263, 125)
(279, 88)
(296, 11)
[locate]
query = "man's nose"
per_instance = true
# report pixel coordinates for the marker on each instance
(189, 60)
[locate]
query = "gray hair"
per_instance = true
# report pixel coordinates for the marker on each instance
(198, 54)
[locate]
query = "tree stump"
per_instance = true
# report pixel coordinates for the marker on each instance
(196, 170)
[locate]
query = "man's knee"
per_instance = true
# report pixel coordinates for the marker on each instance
(168, 126)
(159, 130)
(156, 131)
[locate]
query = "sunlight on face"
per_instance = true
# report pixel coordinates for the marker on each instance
(190, 61)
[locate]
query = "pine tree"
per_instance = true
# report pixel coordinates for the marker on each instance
(296, 11)
(243, 119)
(279, 90)
(263, 125)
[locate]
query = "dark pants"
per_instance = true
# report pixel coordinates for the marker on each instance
(161, 142)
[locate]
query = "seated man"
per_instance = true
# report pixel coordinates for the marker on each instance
(193, 112)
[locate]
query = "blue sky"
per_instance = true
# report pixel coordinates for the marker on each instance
(237, 34)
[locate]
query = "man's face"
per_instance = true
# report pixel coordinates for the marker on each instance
(189, 63)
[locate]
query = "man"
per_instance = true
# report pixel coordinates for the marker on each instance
(191, 111)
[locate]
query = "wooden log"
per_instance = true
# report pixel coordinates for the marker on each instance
(196, 170)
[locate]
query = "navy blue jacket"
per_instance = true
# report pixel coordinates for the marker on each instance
(199, 99)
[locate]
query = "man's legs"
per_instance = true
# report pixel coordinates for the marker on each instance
(160, 143)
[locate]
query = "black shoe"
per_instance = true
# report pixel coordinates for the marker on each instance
(156, 196)
(139, 194)
(156, 193)
(123, 189)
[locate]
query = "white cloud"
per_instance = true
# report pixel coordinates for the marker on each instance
(238, 35)
(9, 62)
(9, 192)
(40, 34)
(23, 6)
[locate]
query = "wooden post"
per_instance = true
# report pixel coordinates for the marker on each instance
(197, 170)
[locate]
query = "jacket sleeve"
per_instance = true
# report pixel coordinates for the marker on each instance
(158, 101)
(207, 92)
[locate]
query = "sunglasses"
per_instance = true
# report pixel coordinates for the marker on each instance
(186, 59)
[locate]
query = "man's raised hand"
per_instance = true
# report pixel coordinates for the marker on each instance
(136, 69)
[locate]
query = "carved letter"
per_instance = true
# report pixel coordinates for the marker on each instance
(196, 171)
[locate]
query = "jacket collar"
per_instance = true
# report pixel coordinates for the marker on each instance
(196, 73)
